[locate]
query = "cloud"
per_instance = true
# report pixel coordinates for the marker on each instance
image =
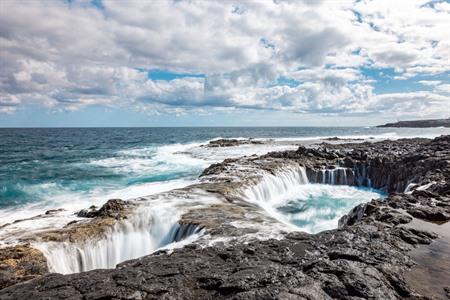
(445, 88)
(9, 104)
(415, 103)
(429, 82)
(300, 56)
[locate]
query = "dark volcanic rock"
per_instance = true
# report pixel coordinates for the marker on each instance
(113, 208)
(53, 211)
(231, 143)
(432, 214)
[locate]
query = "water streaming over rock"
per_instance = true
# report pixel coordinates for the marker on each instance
(271, 186)
(335, 176)
(311, 200)
(141, 234)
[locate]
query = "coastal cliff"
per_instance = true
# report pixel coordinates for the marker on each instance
(372, 255)
(420, 123)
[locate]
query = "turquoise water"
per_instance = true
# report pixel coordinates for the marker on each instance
(68, 165)
(318, 207)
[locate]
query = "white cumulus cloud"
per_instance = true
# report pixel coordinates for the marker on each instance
(299, 56)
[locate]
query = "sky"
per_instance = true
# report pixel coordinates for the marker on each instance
(223, 63)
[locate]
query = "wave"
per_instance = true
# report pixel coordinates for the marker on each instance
(162, 159)
(370, 133)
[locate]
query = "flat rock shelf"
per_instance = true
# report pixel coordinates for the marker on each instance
(383, 249)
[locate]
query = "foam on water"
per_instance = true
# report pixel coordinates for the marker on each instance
(150, 170)
(289, 197)
(318, 207)
(217, 154)
(71, 203)
(152, 226)
(161, 159)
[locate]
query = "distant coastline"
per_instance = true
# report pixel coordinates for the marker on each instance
(420, 123)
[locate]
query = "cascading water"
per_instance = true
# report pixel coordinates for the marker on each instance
(144, 232)
(289, 197)
(271, 186)
(357, 176)
(338, 175)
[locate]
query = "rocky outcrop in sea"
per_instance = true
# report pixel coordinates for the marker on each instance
(393, 248)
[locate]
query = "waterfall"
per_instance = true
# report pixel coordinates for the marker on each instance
(357, 176)
(335, 176)
(272, 186)
(180, 232)
(270, 190)
(141, 234)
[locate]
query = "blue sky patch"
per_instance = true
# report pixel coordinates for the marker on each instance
(386, 83)
(167, 75)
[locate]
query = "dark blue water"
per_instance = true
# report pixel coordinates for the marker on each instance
(69, 164)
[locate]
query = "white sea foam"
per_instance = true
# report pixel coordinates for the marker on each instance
(71, 202)
(321, 206)
(169, 158)
(289, 197)
(152, 226)
(216, 154)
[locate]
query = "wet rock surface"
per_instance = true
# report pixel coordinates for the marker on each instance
(231, 143)
(99, 222)
(365, 258)
(113, 208)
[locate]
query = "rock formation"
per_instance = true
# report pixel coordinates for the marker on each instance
(231, 142)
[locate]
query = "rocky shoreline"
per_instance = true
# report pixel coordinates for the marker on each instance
(368, 257)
